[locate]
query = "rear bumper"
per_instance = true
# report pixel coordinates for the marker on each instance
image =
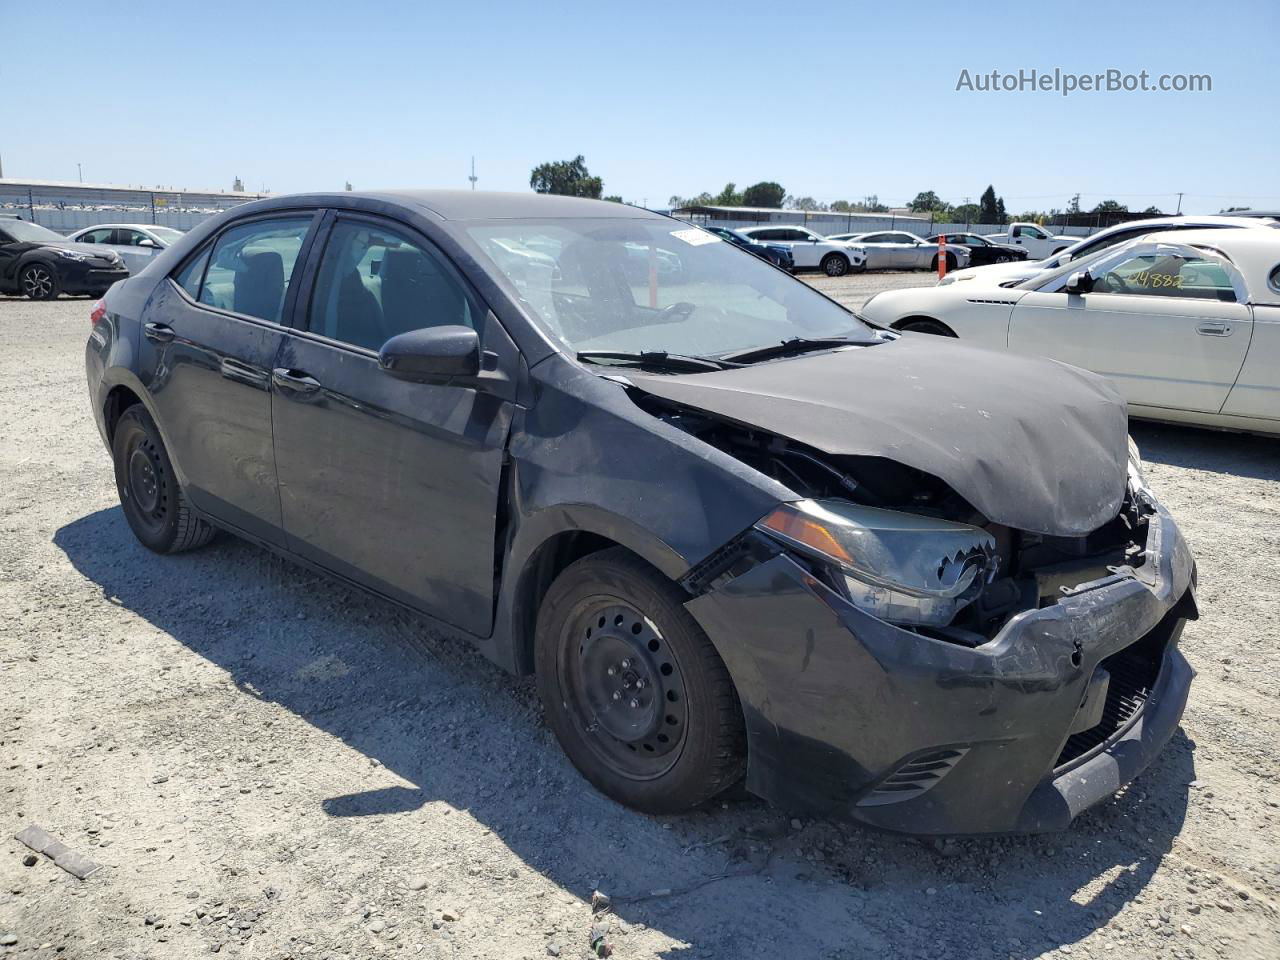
(850, 716)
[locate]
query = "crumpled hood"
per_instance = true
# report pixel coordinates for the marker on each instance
(1031, 443)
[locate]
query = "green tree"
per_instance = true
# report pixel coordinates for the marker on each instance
(766, 193)
(568, 178)
(808, 203)
(965, 213)
(870, 204)
(987, 205)
(924, 202)
(1001, 216)
(729, 196)
(841, 206)
(1110, 206)
(1153, 212)
(613, 198)
(703, 199)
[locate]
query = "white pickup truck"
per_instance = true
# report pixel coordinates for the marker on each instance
(1038, 244)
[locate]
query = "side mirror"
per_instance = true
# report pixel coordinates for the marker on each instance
(1079, 282)
(432, 355)
(148, 243)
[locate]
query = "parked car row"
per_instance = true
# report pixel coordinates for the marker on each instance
(40, 264)
(898, 250)
(811, 251)
(37, 263)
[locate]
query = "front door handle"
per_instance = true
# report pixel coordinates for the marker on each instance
(295, 381)
(1214, 328)
(159, 332)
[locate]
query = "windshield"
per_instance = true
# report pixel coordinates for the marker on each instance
(167, 234)
(654, 285)
(25, 232)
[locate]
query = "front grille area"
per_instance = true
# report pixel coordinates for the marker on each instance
(1134, 671)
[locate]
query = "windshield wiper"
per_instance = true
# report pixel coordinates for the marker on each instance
(785, 347)
(656, 358)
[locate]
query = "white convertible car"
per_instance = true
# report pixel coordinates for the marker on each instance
(1187, 324)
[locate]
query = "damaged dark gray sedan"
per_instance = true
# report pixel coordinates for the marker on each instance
(734, 530)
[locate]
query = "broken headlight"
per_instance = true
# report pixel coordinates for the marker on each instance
(899, 567)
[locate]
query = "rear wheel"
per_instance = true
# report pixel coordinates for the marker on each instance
(633, 689)
(926, 325)
(835, 265)
(153, 502)
(951, 262)
(39, 281)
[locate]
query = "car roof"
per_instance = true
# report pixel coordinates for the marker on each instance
(495, 205)
(1207, 220)
(1255, 254)
(131, 226)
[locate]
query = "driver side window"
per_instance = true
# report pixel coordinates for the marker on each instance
(1167, 275)
(375, 283)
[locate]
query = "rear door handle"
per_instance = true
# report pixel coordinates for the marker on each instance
(159, 332)
(1214, 328)
(294, 381)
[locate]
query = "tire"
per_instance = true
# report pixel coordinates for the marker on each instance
(634, 691)
(926, 325)
(153, 502)
(835, 265)
(1001, 258)
(39, 281)
(951, 263)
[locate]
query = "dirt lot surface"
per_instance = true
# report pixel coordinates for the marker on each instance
(268, 765)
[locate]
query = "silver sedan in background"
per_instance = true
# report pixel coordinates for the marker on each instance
(136, 243)
(899, 250)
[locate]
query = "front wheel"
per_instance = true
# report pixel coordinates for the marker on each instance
(154, 504)
(835, 265)
(951, 263)
(633, 689)
(39, 281)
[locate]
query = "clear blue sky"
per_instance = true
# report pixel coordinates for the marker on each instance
(833, 100)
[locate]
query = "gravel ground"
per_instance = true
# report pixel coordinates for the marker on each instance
(269, 765)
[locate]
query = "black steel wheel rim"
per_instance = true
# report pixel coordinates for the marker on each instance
(37, 282)
(144, 486)
(623, 687)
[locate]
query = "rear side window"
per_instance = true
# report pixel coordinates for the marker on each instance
(252, 265)
(375, 282)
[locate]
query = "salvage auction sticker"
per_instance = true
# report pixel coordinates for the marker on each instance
(695, 237)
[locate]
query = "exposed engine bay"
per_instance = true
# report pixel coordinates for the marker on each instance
(1023, 570)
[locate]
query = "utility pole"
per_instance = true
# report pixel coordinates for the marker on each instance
(79, 173)
(1179, 213)
(473, 178)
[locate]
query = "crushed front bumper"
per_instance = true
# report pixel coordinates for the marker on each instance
(848, 715)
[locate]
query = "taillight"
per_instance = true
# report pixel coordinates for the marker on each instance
(99, 311)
